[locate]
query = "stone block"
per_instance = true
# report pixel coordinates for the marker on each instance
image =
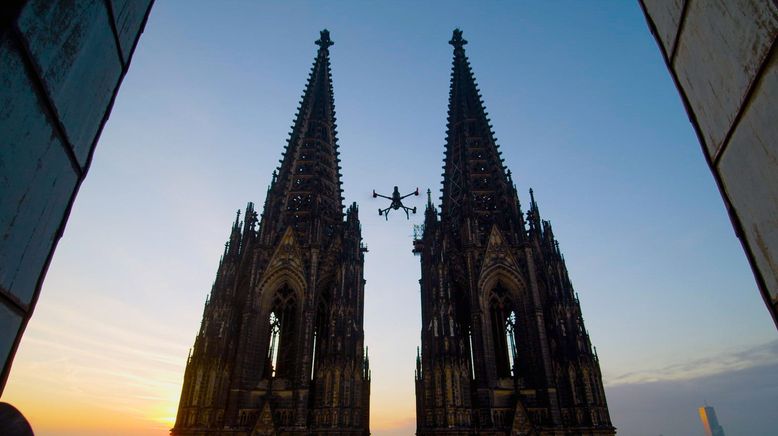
(37, 178)
(749, 171)
(721, 46)
(75, 50)
(10, 322)
(666, 15)
(128, 17)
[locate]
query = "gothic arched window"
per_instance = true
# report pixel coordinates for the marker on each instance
(283, 324)
(510, 335)
(503, 329)
(320, 329)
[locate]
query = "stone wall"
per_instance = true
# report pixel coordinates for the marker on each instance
(61, 64)
(722, 57)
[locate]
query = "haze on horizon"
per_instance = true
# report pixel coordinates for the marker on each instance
(585, 113)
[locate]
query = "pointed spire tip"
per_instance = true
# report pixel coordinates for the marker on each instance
(456, 40)
(324, 42)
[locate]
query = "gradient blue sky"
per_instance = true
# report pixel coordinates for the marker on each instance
(584, 110)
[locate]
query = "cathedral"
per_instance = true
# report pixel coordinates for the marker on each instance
(280, 347)
(504, 350)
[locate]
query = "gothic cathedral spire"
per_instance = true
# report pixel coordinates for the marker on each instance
(306, 193)
(475, 181)
(504, 350)
(281, 346)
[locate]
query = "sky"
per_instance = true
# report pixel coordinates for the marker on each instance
(584, 111)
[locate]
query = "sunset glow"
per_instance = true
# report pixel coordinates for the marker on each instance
(584, 110)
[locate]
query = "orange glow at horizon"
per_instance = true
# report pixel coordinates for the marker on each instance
(103, 367)
(106, 370)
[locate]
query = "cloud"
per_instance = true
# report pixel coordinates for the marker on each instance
(744, 400)
(733, 360)
(101, 357)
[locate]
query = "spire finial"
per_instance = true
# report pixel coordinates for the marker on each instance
(324, 41)
(429, 196)
(457, 41)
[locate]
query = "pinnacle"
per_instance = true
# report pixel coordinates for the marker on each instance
(456, 40)
(324, 41)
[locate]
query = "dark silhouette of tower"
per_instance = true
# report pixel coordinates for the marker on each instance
(280, 348)
(504, 350)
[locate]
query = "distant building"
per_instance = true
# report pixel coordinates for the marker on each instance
(504, 349)
(722, 56)
(281, 346)
(710, 421)
(61, 64)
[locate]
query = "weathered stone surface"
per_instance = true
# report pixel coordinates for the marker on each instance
(73, 45)
(667, 16)
(716, 80)
(36, 179)
(58, 77)
(128, 17)
(749, 170)
(9, 322)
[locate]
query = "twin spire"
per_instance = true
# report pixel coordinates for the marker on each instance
(475, 180)
(307, 185)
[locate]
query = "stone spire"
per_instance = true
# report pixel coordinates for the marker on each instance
(281, 346)
(504, 349)
(475, 180)
(306, 193)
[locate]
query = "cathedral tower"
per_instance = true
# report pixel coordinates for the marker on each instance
(280, 347)
(504, 350)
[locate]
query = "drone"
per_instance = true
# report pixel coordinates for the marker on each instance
(396, 203)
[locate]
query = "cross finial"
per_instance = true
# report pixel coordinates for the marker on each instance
(324, 40)
(457, 41)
